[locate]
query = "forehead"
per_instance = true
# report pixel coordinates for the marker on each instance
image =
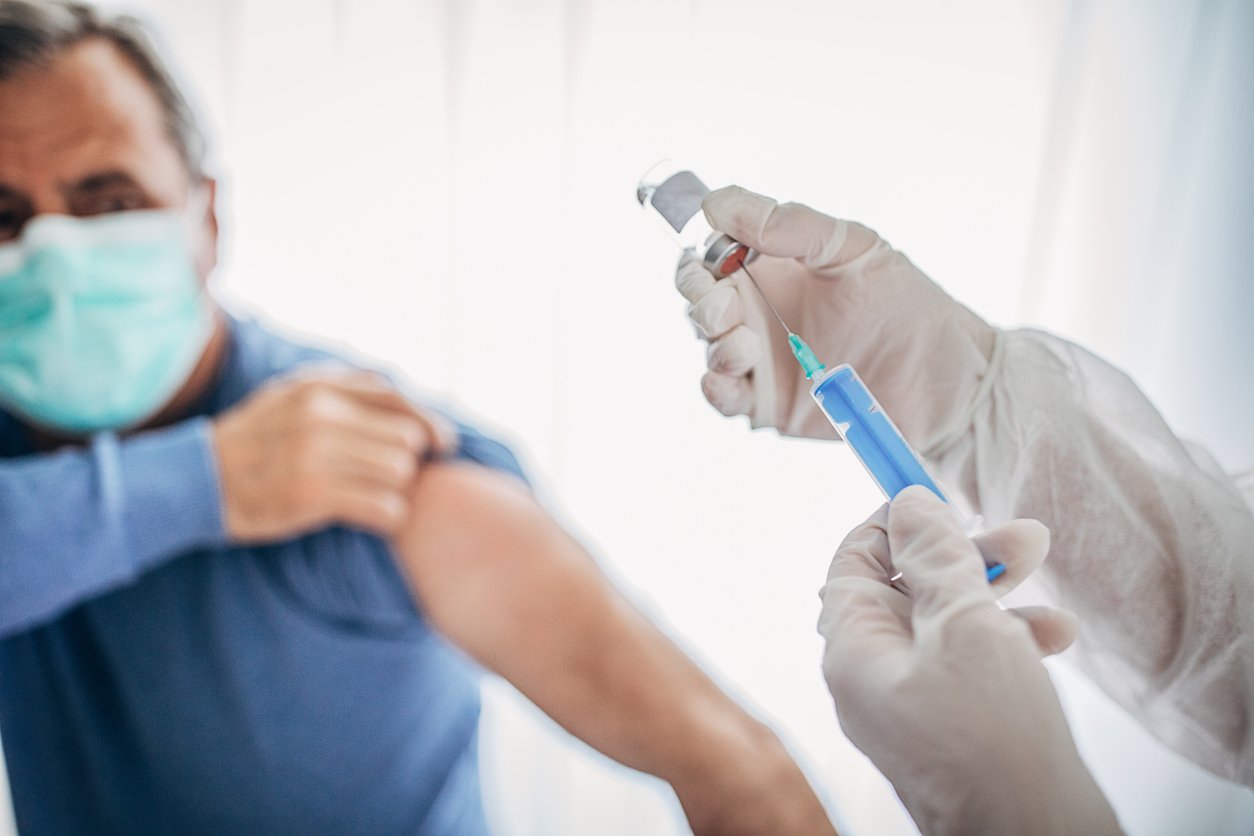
(86, 108)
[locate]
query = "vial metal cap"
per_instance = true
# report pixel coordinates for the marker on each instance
(725, 255)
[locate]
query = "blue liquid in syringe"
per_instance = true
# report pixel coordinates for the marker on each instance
(879, 445)
(869, 432)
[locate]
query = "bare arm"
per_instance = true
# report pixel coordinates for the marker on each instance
(505, 583)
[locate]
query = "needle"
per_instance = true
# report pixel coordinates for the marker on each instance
(805, 356)
(745, 267)
(812, 366)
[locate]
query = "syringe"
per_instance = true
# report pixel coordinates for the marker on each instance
(863, 424)
(675, 195)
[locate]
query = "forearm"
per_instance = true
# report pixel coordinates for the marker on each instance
(77, 523)
(1151, 550)
(505, 583)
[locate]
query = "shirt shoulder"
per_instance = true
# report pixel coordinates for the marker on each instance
(259, 353)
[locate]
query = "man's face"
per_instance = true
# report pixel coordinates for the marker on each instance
(83, 135)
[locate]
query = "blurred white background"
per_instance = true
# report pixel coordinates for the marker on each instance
(448, 186)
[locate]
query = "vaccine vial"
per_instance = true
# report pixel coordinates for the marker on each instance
(674, 195)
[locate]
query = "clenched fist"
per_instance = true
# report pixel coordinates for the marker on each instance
(322, 448)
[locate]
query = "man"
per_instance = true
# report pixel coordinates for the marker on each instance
(232, 584)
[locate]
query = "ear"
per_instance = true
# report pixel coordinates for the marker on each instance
(206, 252)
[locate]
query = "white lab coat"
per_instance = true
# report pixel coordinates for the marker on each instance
(1143, 253)
(1152, 543)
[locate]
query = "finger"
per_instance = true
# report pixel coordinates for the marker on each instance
(320, 370)
(717, 312)
(865, 623)
(857, 583)
(787, 229)
(942, 566)
(364, 459)
(375, 389)
(1053, 629)
(735, 353)
(864, 551)
(442, 435)
(363, 419)
(367, 401)
(692, 280)
(864, 619)
(1020, 545)
(729, 395)
(326, 381)
(368, 506)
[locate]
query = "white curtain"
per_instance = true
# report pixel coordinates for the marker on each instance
(449, 186)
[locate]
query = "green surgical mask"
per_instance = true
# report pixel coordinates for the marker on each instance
(101, 319)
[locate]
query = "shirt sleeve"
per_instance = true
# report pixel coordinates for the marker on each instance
(1152, 544)
(474, 446)
(77, 523)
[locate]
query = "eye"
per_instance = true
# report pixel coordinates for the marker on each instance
(11, 222)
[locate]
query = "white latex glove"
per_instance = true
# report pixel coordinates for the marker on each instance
(943, 690)
(853, 298)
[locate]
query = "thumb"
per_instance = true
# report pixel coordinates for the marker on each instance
(785, 229)
(941, 565)
(1019, 545)
(1053, 629)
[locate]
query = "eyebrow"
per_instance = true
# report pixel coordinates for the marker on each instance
(102, 180)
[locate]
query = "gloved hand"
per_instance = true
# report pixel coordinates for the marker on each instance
(853, 298)
(944, 691)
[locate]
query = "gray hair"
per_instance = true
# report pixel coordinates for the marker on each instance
(33, 32)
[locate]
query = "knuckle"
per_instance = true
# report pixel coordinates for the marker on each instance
(395, 469)
(387, 510)
(403, 466)
(311, 451)
(317, 401)
(302, 387)
(445, 435)
(411, 432)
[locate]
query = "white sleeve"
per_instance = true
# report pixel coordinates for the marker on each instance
(1152, 544)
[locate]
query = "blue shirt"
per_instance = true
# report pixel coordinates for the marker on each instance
(156, 679)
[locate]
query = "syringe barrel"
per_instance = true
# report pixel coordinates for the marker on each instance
(870, 433)
(877, 442)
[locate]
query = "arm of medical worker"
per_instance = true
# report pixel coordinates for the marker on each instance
(944, 691)
(503, 581)
(79, 522)
(1154, 544)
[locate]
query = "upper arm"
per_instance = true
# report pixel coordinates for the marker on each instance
(486, 562)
